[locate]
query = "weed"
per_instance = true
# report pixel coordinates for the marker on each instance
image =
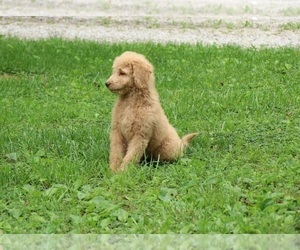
(290, 26)
(290, 11)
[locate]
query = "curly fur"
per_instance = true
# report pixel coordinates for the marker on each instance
(139, 124)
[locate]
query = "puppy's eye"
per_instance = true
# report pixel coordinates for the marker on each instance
(122, 73)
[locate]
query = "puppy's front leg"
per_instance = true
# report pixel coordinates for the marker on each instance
(117, 150)
(135, 151)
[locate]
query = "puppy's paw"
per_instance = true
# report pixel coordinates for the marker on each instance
(118, 169)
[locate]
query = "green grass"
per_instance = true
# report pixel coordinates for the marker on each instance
(240, 175)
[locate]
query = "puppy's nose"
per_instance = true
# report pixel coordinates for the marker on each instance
(107, 84)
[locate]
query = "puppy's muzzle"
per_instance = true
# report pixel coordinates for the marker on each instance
(107, 84)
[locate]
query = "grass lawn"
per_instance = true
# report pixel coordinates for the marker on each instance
(240, 175)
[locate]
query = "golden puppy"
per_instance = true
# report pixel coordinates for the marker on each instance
(139, 124)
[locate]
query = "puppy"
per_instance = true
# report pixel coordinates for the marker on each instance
(139, 125)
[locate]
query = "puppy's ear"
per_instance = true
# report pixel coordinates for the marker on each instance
(141, 74)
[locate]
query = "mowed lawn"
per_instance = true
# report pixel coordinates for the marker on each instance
(240, 175)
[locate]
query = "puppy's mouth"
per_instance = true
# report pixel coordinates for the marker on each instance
(116, 91)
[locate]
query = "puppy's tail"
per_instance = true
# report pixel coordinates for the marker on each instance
(186, 139)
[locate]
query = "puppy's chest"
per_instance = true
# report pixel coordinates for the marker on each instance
(128, 122)
(132, 118)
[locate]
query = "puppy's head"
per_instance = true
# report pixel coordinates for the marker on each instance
(131, 71)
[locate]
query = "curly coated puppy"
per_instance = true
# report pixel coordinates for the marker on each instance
(139, 124)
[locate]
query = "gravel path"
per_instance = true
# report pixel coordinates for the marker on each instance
(269, 23)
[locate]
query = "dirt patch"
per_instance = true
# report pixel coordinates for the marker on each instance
(267, 23)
